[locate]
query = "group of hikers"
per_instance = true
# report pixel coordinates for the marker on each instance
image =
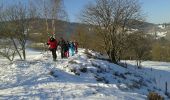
(67, 48)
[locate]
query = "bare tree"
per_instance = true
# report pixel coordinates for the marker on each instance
(111, 18)
(140, 44)
(7, 51)
(17, 20)
(51, 9)
(82, 36)
(54, 10)
(6, 46)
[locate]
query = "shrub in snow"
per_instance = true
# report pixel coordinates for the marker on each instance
(74, 70)
(128, 73)
(77, 73)
(119, 75)
(123, 65)
(89, 55)
(154, 96)
(106, 81)
(137, 84)
(99, 71)
(122, 86)
(96, 65)
(101, 79)
(72, 62)
(52, 73)
(84, 69)
(133, 85)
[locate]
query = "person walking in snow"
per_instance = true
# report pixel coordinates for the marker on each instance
(52, 42)
(76, 46)
(72, 48)
(62, 44)
(67, 49)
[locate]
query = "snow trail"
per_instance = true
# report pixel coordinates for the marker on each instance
(79, 77)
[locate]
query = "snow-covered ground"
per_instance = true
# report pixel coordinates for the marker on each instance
(158, 70)
(162, 26)
(159, 34)
(80, 77)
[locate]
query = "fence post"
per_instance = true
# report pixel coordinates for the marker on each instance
(166, 88)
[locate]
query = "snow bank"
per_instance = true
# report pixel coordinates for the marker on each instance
(79, 77)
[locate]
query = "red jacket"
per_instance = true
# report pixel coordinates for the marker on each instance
(52, 43)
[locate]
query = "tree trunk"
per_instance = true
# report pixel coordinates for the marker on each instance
(24, 53)
(112, 56)
(46, 21)
(16, 48)
(53, 25)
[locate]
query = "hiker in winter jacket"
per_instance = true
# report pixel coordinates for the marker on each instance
(67, 49)
(76, 46)
(62, 44)
(72, 48)
(52, 42)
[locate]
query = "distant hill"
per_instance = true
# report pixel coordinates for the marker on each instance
(158, 30)
(68, 28)
(143, 26)
(62, 27)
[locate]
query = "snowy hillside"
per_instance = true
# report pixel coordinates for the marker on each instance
(159, 34)
(81, 77)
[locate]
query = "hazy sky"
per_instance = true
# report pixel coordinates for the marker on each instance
(157, 11)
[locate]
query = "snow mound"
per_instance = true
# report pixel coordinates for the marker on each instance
(87, 75)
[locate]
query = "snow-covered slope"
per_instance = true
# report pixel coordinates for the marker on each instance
(160, 71)
(83, 76)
